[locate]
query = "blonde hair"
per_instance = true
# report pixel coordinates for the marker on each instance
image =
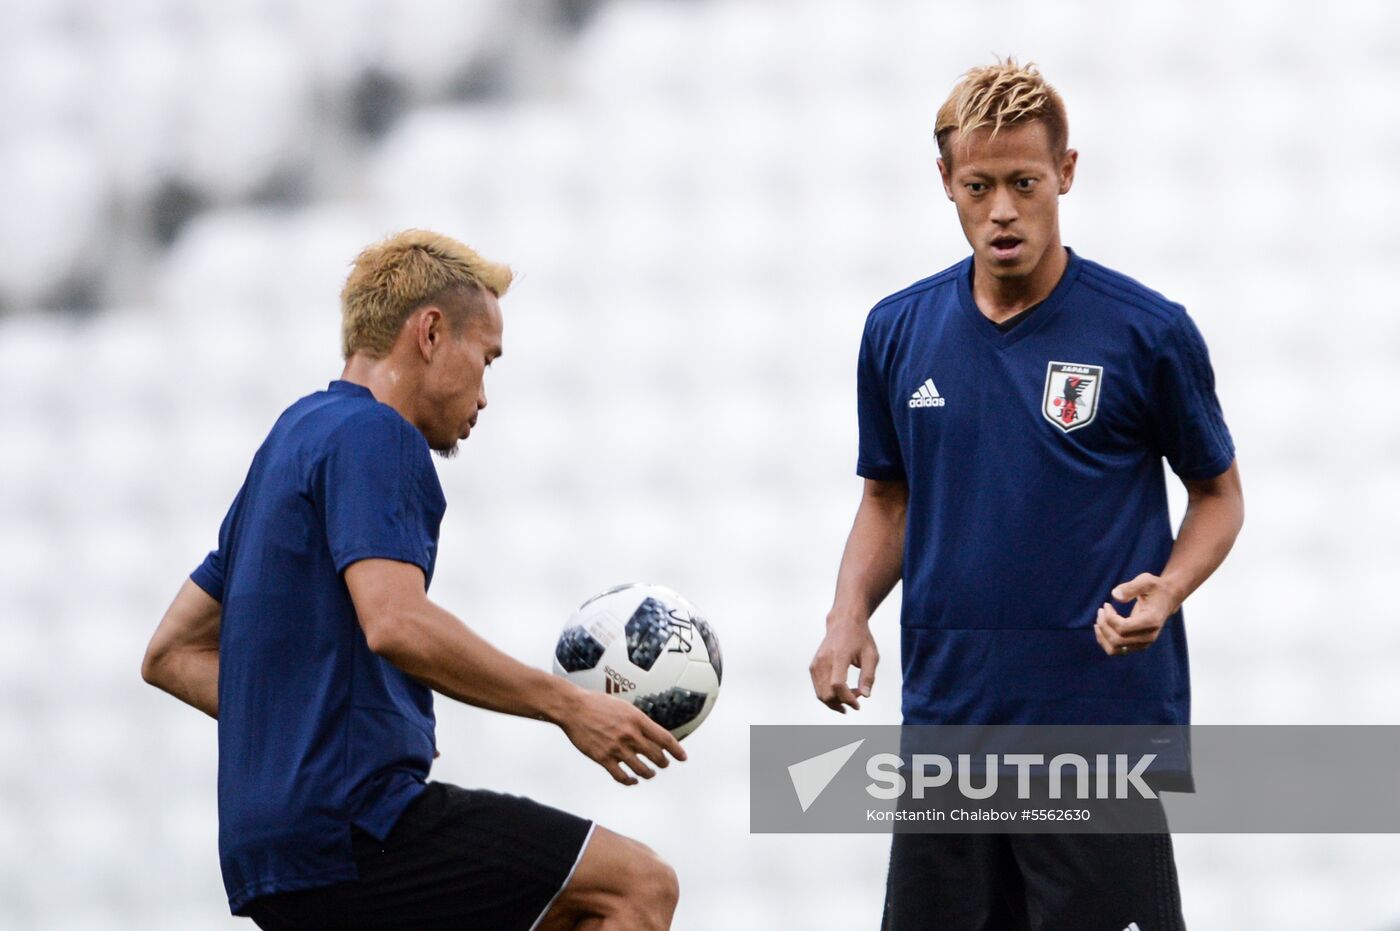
(1003, 94)
(394, 277)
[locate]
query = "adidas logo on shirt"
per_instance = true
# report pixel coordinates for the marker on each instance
(927, 396)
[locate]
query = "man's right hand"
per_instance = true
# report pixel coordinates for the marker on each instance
(611, 733)
(847, 644)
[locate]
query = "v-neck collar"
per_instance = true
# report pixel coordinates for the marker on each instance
(1047, 309)
(340, 386)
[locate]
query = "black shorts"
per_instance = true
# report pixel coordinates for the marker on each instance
(1032, 882)
(456, 858)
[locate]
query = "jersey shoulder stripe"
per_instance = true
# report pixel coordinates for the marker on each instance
(947, 276)
(1119, 287)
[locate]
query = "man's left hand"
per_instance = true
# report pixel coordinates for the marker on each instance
(1154, 602)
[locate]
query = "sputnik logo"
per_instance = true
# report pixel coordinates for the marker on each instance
(811, 776)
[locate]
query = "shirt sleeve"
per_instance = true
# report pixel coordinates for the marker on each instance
(209, 575)
(378, 494)
(1188, 424)
(879, 455)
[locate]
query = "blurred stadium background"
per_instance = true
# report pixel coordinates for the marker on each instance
(702, 200)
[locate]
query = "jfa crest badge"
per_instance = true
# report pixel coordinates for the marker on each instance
(1071, 394)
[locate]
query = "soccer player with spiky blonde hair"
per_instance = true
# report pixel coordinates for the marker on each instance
(308, 633)
(1014, 411)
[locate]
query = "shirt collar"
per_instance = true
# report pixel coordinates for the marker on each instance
(349, 387)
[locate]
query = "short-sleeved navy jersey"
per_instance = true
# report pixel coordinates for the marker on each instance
(316, 732)
(1034, 464)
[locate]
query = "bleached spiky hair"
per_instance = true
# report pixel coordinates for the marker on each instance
(1003, 94)
(393, 278)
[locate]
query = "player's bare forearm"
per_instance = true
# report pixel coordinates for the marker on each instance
(193, 677)
(436, 648)
(183, 655)
(870, 566)
(1214, 516)
(429, 643)
(450, 658)
(874, 556)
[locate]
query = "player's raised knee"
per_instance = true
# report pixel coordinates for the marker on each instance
(642, 871)
(620, 880)
(665, 884)
(654, 890)
(650, 886)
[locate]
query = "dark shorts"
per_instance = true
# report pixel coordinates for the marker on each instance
(456, 858)
(1032, 882)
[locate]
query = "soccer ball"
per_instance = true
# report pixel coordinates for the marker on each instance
(647, 645)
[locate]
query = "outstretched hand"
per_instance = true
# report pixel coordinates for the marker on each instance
(614, 733)
(1153, 602)
(846, 644)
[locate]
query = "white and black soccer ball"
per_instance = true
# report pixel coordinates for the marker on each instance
(647, 645)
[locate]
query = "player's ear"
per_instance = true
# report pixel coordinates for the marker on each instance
(429, 329)
(946, 174)
(1067, 166)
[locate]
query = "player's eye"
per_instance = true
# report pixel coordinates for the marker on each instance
(976, 187)
(1025, 184)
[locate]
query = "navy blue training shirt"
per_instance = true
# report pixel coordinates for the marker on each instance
(316, 732)
(1034, 464)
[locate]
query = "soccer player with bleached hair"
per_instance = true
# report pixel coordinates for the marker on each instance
(1014, 413)
(309, 635)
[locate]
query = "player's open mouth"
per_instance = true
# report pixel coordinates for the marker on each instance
(1006, 248)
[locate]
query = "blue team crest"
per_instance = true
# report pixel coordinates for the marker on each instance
(1071, 394)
